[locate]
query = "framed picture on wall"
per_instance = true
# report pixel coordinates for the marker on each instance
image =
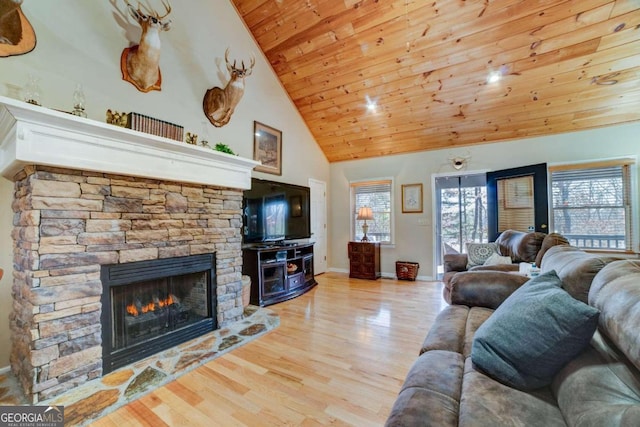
(412, 198)
(267, 148)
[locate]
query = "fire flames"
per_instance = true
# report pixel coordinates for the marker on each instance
(135, 310)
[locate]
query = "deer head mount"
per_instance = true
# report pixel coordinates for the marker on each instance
(139, 63)
(219, 104)
(16, 33)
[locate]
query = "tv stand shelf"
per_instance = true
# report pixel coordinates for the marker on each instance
(278, 272)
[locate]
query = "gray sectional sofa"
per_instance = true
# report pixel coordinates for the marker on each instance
(598, 386)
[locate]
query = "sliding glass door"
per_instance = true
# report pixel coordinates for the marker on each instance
(461, 214)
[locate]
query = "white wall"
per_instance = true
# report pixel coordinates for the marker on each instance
(80, 41)
(414, 242)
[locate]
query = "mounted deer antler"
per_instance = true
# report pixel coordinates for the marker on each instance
(139, 63)
(460, 162)
(219, 104)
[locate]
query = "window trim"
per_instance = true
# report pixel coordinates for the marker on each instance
(353, 222)
(632, 193)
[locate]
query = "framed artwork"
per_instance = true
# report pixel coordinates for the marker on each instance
(412, 198)
(267, 148)
(518, 192)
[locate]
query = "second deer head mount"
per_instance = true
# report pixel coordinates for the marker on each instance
(219, 104)
(140, 63)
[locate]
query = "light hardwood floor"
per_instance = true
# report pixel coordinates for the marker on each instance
(339, 357)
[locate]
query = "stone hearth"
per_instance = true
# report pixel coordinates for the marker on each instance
(101, 396)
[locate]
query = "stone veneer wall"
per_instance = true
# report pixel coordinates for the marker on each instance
(68, 223)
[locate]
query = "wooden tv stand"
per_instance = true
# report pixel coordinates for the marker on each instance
(278, 272)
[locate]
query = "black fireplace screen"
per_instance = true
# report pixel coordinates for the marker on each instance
(149, 306)
(143, 311)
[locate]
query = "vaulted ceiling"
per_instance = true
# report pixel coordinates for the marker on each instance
(428, 68)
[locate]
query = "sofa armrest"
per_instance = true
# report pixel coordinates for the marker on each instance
(507, 268)
(455, 262)
(483, 288)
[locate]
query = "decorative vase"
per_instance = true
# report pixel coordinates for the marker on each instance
(246, 291)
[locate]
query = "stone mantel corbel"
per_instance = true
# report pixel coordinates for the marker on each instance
(34, 135)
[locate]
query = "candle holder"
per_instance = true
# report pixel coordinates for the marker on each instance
(79, 102)
(204, 140)
(32, 90)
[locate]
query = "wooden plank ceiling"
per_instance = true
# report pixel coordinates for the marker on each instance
(564, 66)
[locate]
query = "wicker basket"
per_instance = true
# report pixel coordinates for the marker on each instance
(407, 270)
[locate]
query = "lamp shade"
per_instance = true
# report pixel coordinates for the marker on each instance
(365, 213)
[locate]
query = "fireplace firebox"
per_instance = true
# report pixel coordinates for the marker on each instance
(149, 306)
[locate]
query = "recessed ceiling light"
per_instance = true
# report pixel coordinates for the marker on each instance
(371, 104)
(494, 77)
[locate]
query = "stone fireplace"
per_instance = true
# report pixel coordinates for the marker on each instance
(90, 196)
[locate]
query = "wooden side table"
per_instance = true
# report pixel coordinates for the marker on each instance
(364, 260)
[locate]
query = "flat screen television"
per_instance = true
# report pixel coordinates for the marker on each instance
(275, 211)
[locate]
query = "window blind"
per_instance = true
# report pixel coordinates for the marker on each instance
(378, 196)
(515, 203)
(592, 206)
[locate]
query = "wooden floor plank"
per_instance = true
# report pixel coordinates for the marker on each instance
(338, 358)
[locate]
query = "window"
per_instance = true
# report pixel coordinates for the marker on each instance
(378, 196)
(591, 204)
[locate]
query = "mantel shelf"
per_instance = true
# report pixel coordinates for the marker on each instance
(34, 135)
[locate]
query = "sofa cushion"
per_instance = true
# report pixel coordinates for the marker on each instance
(430, 395)
(486, 402)
(533, 334)
(477, 316)
(520, 246)
(447, 332)
(616, 293)
(478, 253)
(551, 240)
(454, 328)
(599, 388)
(497, 259)
(576, 268)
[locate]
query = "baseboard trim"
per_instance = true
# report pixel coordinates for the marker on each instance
(384, 275)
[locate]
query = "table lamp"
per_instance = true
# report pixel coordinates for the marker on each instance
(365, 213)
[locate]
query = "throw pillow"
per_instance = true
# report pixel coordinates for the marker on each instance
(536, 331)
(478, 253)
(496, 259)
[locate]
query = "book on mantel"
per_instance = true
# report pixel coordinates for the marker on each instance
(142, 123)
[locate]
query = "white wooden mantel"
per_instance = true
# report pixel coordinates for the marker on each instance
(34, 135)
